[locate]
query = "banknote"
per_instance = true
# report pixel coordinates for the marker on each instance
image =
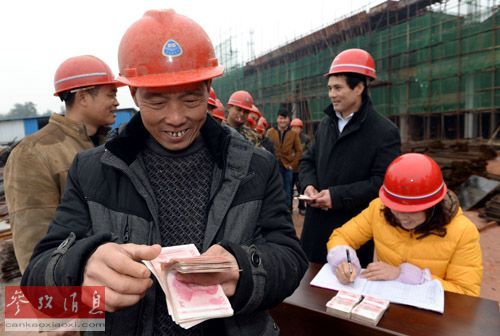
(188, 304)
(203, 264)
(370, 310)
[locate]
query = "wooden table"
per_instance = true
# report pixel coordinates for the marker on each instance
(304, 313)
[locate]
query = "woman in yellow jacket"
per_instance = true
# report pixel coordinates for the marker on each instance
(419, 230)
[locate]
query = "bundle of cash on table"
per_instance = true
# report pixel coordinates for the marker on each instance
(188, 304)
(342, 304)
(370, 310)
(346, 305)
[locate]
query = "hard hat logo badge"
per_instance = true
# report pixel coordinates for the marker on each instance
(172, 49)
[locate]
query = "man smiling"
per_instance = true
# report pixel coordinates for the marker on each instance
(173, 176)
(35, 174)
(344, 167)
(239, 106)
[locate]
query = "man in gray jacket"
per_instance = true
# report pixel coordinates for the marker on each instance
(173, 176)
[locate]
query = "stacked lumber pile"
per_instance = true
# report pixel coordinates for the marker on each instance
(5, 151)
(458, 159)
(5, 232)
(9, 269)
(491, 210)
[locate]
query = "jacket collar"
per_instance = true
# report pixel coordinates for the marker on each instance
(129, 143)
(357, 119)
(278, 130)
(75, 129)
(78, 130)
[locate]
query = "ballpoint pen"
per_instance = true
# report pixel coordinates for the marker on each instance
(349, 261)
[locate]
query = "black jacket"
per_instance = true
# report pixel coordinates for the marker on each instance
(108, 199)
(352, 166)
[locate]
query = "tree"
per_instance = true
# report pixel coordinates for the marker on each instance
(27, 109)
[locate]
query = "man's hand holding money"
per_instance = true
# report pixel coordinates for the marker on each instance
(227, 279)
(118, 268)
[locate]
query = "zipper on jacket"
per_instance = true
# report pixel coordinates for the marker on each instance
(224, 162)
(126, 233)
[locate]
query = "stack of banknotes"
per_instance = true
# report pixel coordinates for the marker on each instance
(342, 304)
(202, 264)
(370, 310)
(189, 304)
(347, 305)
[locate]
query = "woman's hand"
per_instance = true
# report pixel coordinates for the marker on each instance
(381, 271)
(343, 273)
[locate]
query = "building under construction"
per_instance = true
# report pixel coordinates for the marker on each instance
(438, 68)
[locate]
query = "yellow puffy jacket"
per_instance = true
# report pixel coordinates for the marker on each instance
(454, 259)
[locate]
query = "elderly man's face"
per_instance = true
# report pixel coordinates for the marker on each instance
(173, 115)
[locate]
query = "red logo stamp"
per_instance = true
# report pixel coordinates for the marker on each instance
(45, 308)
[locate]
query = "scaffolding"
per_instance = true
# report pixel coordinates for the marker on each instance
(437, 66)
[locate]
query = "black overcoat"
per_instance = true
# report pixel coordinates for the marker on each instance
(351, 165)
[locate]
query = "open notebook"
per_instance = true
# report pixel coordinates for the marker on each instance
(429, 295)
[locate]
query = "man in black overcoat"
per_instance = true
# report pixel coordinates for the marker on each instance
(344, 167)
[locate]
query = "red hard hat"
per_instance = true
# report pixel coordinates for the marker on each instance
(260, 129)
(256, 110)
(353, 60)
(82, 71)
(218, 112)
(212, 97)
(251, 122)
(296, 122)
(264, 122)
(241, 99)
(413, 182)
(164, 48)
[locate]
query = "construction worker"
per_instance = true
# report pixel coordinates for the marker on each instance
(218, 112)
(345, 165)
(419, 230)
(239, 105)
(35, 173)
(261, 132)
(262, 121)
(255, 114)
(212, 97)
(251, 123)
(174, 176)
(288, 151)
(298, 126)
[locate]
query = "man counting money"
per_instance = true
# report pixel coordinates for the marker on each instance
(173, 176)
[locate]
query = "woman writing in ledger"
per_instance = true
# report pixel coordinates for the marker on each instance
(419, 230)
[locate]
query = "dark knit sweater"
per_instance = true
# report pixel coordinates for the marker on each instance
(181, 183)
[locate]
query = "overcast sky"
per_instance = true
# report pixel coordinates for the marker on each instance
(36, 36)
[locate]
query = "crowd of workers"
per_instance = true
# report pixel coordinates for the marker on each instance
(187, 169)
